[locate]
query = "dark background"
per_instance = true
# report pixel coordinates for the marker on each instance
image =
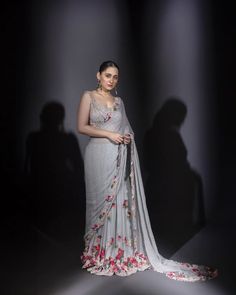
(43, 205)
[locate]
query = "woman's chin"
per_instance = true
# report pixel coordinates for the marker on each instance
(109, 88)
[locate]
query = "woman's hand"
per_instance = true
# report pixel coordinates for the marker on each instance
(116, 137)
(127, 138)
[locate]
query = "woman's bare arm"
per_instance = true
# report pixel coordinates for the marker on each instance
(83, 122)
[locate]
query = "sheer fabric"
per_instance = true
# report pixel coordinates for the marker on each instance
(118, 235)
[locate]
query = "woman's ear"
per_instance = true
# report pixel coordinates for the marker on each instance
(98, 75)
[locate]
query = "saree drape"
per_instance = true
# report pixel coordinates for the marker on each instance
(118, 235)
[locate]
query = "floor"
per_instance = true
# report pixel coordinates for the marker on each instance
(36, 264)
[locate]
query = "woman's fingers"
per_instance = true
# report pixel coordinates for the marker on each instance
(127, 138)
(120, 139)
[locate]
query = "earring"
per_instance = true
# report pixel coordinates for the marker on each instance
(98, 84)
(116, 91)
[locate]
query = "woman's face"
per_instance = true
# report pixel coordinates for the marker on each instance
(108, 78)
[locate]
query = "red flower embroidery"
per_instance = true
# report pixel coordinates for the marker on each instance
(112, 241)
(102, 254)
(113, 265)
(97, 247)
(125, 204)
(120, 254)
(108, 117)
(95, 226)
(109, 198)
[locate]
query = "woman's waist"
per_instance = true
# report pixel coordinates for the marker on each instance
(100, 140)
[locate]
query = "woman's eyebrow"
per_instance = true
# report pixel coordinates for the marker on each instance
(111, 74)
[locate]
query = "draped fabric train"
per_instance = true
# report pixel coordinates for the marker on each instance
(118, 235)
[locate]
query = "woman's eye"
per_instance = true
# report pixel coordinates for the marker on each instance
(109, 76)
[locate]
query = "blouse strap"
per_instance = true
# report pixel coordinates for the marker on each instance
(91, 96)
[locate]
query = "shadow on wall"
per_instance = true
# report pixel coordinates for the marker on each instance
(54, 170)
(174, 190)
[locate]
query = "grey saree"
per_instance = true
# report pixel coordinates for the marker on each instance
(118, 236)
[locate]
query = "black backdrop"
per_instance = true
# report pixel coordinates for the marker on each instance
(17, 209)
(16, 50)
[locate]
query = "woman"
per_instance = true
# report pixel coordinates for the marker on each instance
(118, 235)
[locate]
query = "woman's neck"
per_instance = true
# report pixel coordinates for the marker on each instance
(102, 92)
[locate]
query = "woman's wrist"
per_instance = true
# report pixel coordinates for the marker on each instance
(108, 134)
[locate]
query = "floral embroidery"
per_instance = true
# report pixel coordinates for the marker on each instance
(127, 242)
(113, 181)
(125, 204)
(95, 227)
(111, 242)
(120, 240)
(96, 261)
(98, 239)
(107, 117)
(202, 273)
(129, 213)
(109, 198)
(119, 237)
(103, 213)
(120, 254)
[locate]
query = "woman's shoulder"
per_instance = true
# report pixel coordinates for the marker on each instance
(87, 94)
(90, 93)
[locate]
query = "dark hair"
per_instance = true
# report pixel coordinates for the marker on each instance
(107, 64)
